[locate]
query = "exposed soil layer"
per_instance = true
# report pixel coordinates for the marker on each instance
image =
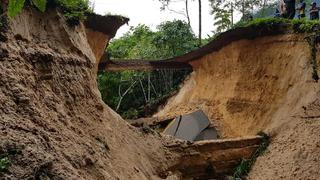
(213, 159)
(256, 85)
(53, 122)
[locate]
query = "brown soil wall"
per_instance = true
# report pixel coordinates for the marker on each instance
(53, 123)
(256, 85)
(242, 86)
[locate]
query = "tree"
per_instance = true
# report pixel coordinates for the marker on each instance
(174, 38)
(224, 10)
(223, 14)
(200, 22)
(165, 5)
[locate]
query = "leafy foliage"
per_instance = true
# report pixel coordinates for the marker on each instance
(73, 10)
(15, 7)
(298, 25)
(137, 43)
(4, 164)
(263, 22)
(40, 4)
(225, 10)
(174, 38)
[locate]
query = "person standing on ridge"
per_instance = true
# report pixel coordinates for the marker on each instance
(291, 8)
(314, 11)
(301, 9)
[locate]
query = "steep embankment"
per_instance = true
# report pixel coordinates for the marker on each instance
(256, 85)
(52, 119)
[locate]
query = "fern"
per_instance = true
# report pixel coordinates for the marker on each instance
(40, 4)
(15, 7)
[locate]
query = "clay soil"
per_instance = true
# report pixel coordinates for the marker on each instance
(260, 85)
(53, 123)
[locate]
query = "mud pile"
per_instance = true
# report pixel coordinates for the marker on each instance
(256, 85)
(53, 123)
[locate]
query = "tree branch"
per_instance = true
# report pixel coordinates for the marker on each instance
(125, 93)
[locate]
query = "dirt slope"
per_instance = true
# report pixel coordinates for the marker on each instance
(261, 84)
(53, 122)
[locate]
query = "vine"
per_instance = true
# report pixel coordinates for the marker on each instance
(312, 41)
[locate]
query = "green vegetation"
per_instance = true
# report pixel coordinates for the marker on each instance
(225, 11)
(298, 25)
(136, 94)
(7, 155)
(73, 10)
(312, 40)
(15, 7)
(4, 164)
(263, 22)
(245, 165)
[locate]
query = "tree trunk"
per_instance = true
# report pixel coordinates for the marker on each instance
(231, 14)
(187, 12)
(243, 7)
(124, 94)
(200, 23)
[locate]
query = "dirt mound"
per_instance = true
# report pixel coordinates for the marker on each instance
(52, 119)
(256, 85)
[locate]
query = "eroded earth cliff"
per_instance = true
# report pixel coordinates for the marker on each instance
(53, 123)
(257, 85)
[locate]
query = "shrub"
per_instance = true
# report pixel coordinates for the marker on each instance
(74, 10)
(298, 25)
(4, 164)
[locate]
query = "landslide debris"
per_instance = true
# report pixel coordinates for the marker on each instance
(264, 84)
(52, 113)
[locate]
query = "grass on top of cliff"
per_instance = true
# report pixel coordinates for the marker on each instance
(73, 10)
(298, 25)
